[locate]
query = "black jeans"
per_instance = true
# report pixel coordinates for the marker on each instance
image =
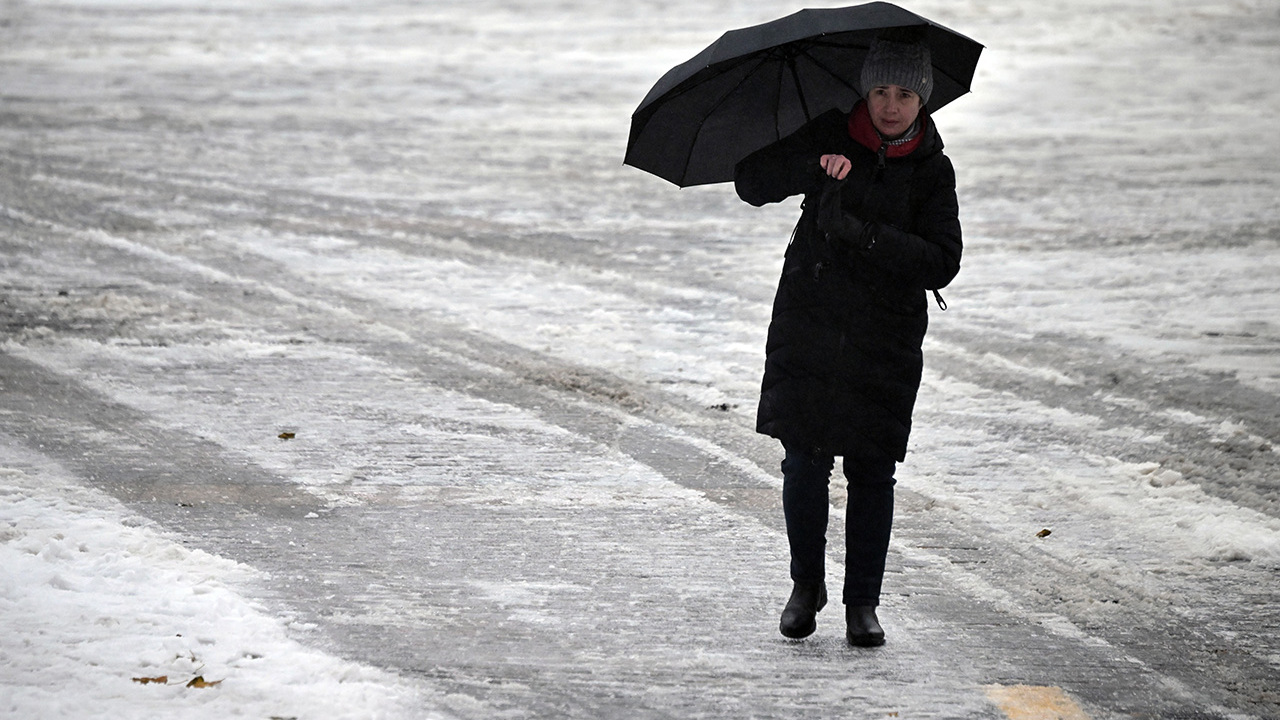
(868, 520)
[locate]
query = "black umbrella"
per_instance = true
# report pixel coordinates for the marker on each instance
(758, 84)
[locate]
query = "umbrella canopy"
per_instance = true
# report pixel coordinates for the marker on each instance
(758, 84)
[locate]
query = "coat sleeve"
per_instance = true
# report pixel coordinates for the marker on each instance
(931, 255)
(787, 167)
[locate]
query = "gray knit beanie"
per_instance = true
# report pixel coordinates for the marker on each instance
(905, 64)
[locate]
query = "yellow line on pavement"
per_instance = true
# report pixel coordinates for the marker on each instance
(1029, 702)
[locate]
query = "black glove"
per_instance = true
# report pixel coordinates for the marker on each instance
(839, 225)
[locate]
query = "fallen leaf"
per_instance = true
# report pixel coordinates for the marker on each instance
(287, 436)
(1044, 533)
(161, 679)
(199, 682)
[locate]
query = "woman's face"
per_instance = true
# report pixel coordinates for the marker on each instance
(893, 109)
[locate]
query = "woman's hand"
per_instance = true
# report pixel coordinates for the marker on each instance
(837, 166)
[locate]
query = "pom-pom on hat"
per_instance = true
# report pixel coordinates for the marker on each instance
(898, 61)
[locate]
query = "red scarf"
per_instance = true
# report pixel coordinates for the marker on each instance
(862, 130)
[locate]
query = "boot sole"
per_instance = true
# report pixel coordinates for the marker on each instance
(801, 633)
(865, 640)
(807, 630)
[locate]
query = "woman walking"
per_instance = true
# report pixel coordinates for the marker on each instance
(878, 229)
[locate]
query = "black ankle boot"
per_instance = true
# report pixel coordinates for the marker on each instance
(864, 629)
(799, 617)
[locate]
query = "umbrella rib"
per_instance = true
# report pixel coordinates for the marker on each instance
(950, 77)
(777, 104)
(689, 156)
(830, 72)
(795, 77)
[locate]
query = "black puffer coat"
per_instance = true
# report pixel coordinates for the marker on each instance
(843, 359)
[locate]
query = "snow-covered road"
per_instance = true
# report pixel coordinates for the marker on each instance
(344, 364)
